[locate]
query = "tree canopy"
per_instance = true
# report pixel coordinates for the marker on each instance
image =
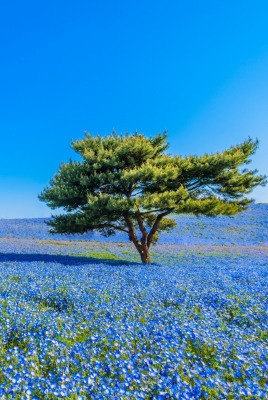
(130, 183)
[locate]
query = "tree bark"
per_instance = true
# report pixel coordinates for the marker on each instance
(145, 255)
(155, 227)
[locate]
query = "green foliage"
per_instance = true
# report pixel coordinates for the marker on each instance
(128, 182)
(207, 352)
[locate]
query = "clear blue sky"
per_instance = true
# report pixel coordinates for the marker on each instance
(196, 68)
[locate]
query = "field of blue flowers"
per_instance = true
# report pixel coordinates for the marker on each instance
(81, 318)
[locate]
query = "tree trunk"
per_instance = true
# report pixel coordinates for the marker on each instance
(141, 246)
(145, 255)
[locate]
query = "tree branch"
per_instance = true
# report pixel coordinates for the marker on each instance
(118, 228)
(142, 227)
(156, 226)
(152, 211)
(132, 233)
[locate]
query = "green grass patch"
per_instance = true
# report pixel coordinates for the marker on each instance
(105, 255)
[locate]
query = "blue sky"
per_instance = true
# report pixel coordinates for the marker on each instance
(196, 68)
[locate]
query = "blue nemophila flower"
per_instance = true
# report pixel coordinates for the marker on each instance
(192, 326)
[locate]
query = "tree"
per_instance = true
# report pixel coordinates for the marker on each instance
(129, 183)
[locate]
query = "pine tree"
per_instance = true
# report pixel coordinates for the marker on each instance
(130, 183)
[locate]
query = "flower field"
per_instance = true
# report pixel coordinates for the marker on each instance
(83, 319)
